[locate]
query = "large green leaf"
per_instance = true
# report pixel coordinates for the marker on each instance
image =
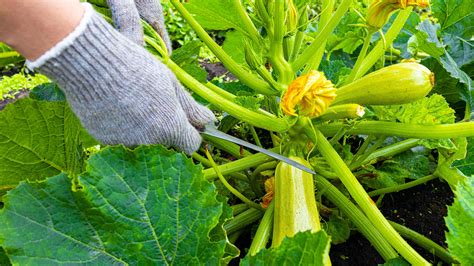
(452, 12)
(216, 14)
(460, 222)
(427, 41)
(149, 206)
(4, 260)
(39, 139)
(303, 249)
(467, 165)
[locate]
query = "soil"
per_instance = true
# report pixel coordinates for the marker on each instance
(421, 209)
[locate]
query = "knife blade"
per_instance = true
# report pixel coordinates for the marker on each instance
(210, 130)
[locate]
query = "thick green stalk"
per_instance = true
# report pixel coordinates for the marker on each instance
(246, 77)
(326, 14)
(243, 220)
(458, 130)
(360, 58)
(398, 188)
(425, 243)
(205, 162)
(252, 32)
(363, 200)
(251, 117)
(239, 208)
(229, 147)
(264, 231)
(322, 35)
(239, 165)
(231, 97)
(276, 55)
(392, 150)
(363, 224)
(390, 36)
(231, 188)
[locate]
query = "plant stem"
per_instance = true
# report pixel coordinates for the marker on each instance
(322, 35)
(264, 231)
(398, 188)
(392, 150)
(239, 165)
(378, 51)
(239, 208)
(360, 58)
(358, 162)
(229, 187)
(458, 130)
(425, 243)
(255, 136)
(363, 200)
(246, 77)
(357, 217)
(205, 162)
(243, 220)
(326, 13)
(276, 55)
(254, 118)
(229, 147)
(244, 17)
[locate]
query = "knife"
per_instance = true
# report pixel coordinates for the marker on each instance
(212, 131)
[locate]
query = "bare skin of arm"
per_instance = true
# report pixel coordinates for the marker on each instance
(33, 27)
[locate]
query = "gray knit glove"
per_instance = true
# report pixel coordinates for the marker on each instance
(119, 91)
(126, 15)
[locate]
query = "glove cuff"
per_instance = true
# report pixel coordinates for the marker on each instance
(66, 42)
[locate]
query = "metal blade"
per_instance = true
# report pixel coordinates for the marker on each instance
(214, 132)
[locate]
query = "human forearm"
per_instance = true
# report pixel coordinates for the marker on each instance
(33, 27)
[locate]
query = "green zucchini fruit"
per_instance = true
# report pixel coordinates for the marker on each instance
(396, 84)
(295, 203)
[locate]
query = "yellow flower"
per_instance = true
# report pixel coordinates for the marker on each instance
(379, 11)
(311, 94)
(270, 189)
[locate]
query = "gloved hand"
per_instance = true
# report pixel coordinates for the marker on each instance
(119, 91)
(126, 15)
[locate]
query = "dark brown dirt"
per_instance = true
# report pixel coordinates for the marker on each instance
(421, 208)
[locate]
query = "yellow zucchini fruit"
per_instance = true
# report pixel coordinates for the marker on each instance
(396, 84)
(295, 203)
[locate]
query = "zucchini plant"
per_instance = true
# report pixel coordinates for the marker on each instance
(151, 205)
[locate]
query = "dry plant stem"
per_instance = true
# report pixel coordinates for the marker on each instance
(264, 231)
(378, 51)
(363, 200)
(402, 187)
(229, 187)
(246, 77)
(425, 243)
(362, 223)
(322, 35)
(327, 9)
(445, 131)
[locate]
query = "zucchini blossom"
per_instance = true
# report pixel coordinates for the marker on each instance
(311, 94)
(379, 11)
